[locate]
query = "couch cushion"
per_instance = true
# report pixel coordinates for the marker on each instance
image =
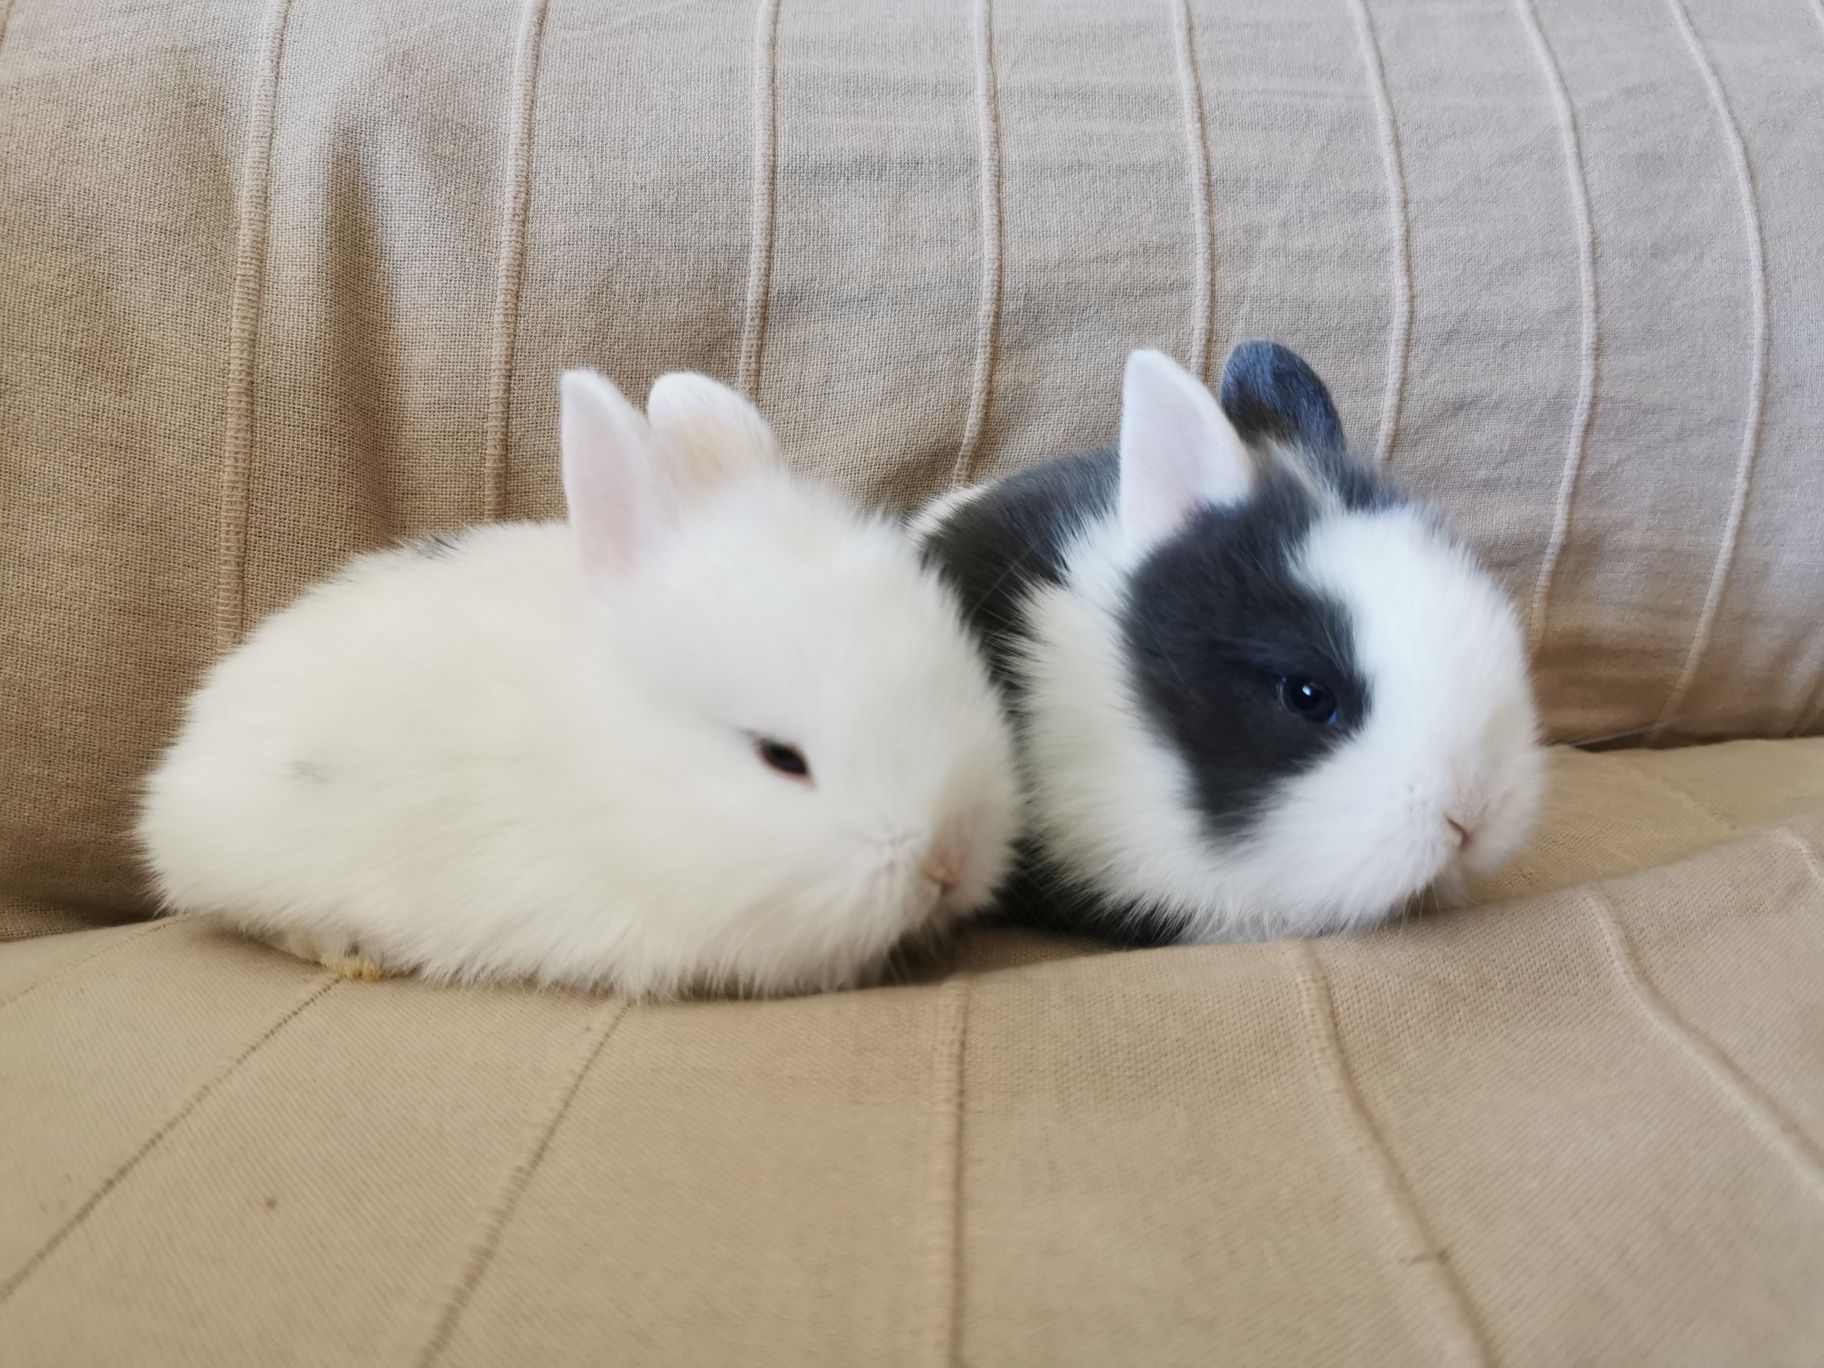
(1583, 1125)
(285, 281)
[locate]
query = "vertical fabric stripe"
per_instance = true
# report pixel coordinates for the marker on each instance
(246, 298)
(1203, 215)
(112, 1182)
(1642, 763)
(519, 1177)
(1780, 1132)
(1416, 1248)
(1813, 865)
(1757, 375)
(1590, 338)
(510, 278)
(942, 1237)
(110, 944)
(1399, 331)
(988, 311)
(765, 195)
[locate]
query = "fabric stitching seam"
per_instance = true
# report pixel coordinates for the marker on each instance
(1639, 765)
(510, 277)
(1423, 1255)
(1812, 862)
(1590, 340)
(1757, 380)
(114, 944)
(764, 209)
(190, 1105)
(952, 1044)
(499, 1213)
(1724, 1074)
(246, 307)
(1203, 211)
(1399, 333)
(988, 312)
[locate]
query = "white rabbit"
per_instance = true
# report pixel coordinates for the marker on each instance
(1257, 691)
(720, 731)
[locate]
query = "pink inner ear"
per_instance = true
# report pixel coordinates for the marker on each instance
(1178, 450)
(1158, 480)
(620, 500)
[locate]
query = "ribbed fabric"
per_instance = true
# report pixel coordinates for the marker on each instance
(300, 282)
(1581, 1125)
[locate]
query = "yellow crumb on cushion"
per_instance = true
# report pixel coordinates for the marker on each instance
(354, 967)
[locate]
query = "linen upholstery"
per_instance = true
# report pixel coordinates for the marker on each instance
(287, 280)
(1580, 1125)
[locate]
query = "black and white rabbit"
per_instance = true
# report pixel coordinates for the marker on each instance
(1257, 691)
(719, 730)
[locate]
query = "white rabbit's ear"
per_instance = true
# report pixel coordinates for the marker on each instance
(1178, 450)
(716, 434)
(622, 499)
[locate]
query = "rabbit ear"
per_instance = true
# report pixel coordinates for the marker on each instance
(622, 500)
(1178, 451)
(1271, 392)
(712, 431)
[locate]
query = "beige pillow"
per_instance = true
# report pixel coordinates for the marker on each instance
(283, 283)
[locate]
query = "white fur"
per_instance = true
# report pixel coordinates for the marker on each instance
(1450, 733)
(714, 432)
(534, 757)
(940, 510)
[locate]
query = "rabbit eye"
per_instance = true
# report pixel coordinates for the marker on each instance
(777, 755)
(1311, 699)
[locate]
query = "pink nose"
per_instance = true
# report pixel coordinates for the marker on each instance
(1464, 836)
(944, 866)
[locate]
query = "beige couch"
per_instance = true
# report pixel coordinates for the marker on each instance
(288, 279)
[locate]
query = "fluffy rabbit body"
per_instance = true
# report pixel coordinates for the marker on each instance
(718, 731)
(1257, 691)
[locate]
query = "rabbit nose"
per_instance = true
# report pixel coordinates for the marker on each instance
(1464, 836)
(944, 865)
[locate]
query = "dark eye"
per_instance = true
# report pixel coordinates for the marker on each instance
(786, 759)
(1311, 699)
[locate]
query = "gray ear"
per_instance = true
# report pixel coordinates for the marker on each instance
(1270, 394)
